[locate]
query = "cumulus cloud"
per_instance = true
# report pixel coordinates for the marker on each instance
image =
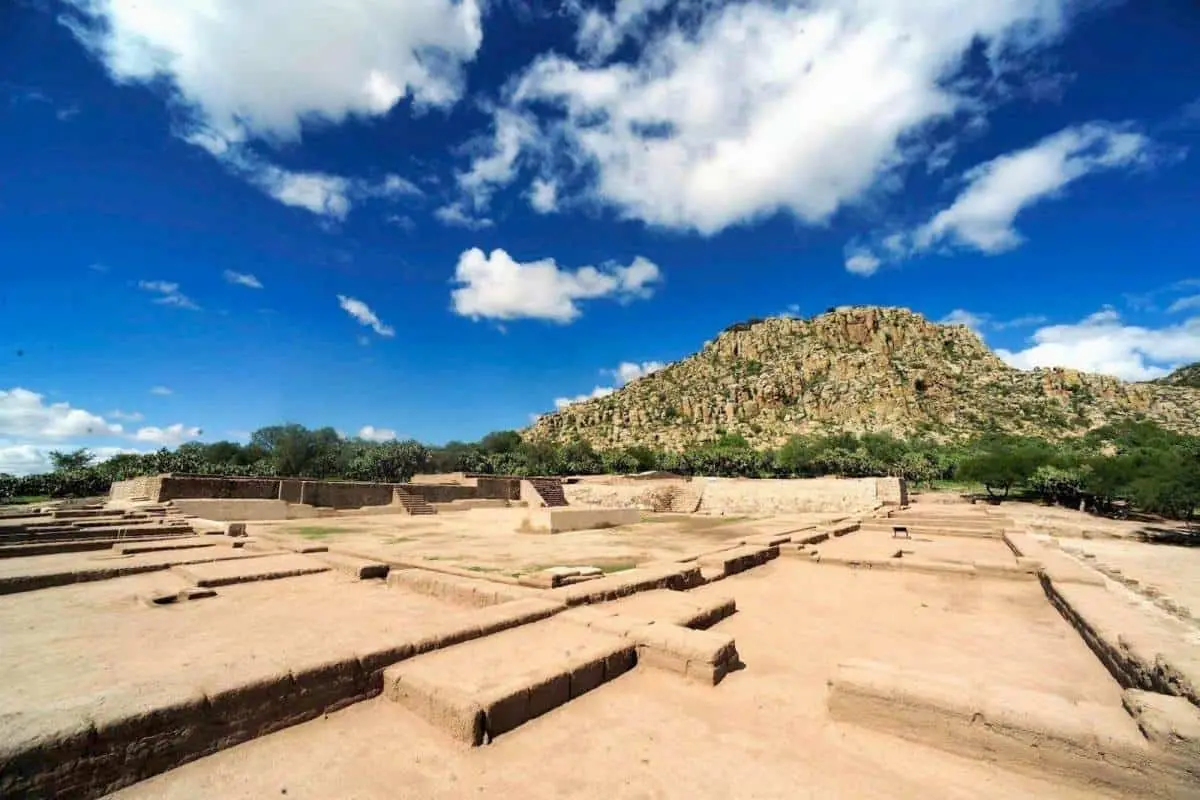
(373, 434)
(170, 436)
(162, 391)
(127, 416)
(168, 294)
(982, 217)
(245, 71)
(497, 286)
(242, 279)
(365, 316)
(29, 459)
(748, 109)
(262, 69)
(26, 414)
(624, 373)
(1104, 343)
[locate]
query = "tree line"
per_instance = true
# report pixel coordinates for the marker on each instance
(1134, 463)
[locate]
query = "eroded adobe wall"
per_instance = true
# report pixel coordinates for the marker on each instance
(498, 488)
(146, 486)
(185, 487)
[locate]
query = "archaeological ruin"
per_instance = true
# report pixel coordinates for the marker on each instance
(641, 636)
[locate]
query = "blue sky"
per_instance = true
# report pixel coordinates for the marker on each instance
(437, 218)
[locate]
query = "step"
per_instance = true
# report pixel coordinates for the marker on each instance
(481, 689)
(154, 546)
(361, 568)
(684, 609)
(266, 568)
(715, 566)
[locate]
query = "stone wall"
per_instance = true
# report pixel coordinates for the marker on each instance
(892, 491)
(498, 488)
(148, 486)
(183, 487)
(441, 492)
(749, 496)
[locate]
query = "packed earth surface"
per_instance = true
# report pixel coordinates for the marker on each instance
(788, 639)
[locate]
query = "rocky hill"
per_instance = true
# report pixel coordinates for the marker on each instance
(1188, 376)
(858, 369)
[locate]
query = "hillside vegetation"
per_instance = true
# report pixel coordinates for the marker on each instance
(859, 370)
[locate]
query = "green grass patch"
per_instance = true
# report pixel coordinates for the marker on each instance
(27, 499)
(318, 531)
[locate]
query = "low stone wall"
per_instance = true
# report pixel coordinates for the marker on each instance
(749, 496)
(225, 509)
(561, 520)
(441, 492)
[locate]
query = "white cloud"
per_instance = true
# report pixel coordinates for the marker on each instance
(960, 316)
(978, 322)
(244, 71)
(543, 196)
(762, 107)
(1184, 304)
(599, 391)
(862, 263)
(242, 279)
(170, 436)
(365, 316)
(373, 434)
(982, 217)
(401, 221)
(168, 294)
(30, 459)
(25, 414)
(162, 391)
(127, 416)
(457, 216)
(496, 286)
(624, 373)
(1103, 343)
(628, 371)
(264, 68)
(394, 186)
(599, 35)
(24, 459)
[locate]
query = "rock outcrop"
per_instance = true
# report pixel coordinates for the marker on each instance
(857, 369)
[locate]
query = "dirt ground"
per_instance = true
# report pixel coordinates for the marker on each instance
(488, 540)
(94, 651)
(1159, 571)
(762, 733)
(880, 544)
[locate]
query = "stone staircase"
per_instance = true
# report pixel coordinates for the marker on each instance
(686, 499)
(413, 504)
(550, 490)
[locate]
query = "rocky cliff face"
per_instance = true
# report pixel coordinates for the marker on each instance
(857, 369)
(1188, 376)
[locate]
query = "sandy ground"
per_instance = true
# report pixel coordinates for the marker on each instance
(94, 650)
(762, 733)
(880, 544)
(1166, 571)
(487, 540)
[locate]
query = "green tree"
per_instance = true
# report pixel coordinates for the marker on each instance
(67, 461)
(500, 442)
(1004, 462)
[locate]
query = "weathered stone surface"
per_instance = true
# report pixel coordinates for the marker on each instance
(857, 369)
